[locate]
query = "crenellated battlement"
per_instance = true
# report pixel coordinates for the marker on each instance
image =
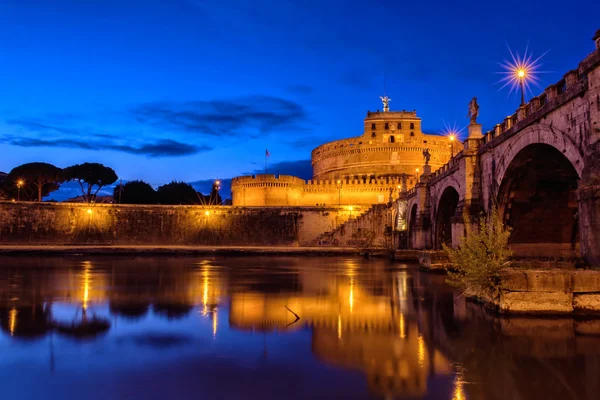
(265, 180)
(574, 83)
(282, 180)
(284, 190)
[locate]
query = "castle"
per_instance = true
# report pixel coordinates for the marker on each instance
(364, 170)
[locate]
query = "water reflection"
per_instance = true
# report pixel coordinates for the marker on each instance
(317, 323)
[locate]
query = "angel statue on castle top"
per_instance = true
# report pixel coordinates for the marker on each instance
(386, 103)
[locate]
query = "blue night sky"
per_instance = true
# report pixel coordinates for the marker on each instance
(193, 90)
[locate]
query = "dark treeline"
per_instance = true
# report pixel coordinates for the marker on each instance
(140, 192)
(34, 181)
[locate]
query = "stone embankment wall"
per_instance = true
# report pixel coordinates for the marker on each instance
(71, 223)
(549, 292)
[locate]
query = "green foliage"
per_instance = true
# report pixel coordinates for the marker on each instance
(177, 193)
(135, 192)
(482, 255)
(89, 175)
(38, 180)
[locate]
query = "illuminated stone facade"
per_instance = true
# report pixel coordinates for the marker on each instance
(362, 170)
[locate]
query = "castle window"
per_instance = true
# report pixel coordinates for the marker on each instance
(373, 125)
(424, 141)
(392, 139)
(412, 133)
(412, 125)
(373, 134)
(399, 125)
(387, 126)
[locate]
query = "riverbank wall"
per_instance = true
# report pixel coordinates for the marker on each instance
(556, 292)
(106, 224)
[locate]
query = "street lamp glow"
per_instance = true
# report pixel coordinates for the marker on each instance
(520, 72)
(89, 211)
(206, 212)
(20, 184)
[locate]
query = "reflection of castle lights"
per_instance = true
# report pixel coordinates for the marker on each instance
(86, 283)
(402, 327)
(205, 293)
(351, 297)
(340, 327)
(215, 323)
(12, 321)
(458, 393)
(421, 344)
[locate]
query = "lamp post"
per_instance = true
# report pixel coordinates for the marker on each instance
(521, 76)
(339, 188)
(417, 175)
(19, 185)
(452, 145)
(214, 194)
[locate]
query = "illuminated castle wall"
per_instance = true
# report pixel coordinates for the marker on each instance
(362, 170)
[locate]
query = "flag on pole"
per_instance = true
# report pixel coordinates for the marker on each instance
(267, 154)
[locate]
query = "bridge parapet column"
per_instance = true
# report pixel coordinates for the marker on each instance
(588, 193)
(469, 179)
(423, 220)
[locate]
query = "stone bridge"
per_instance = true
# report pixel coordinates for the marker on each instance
(540, 167)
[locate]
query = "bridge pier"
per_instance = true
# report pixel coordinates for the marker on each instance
(422, 234)
(589, 223)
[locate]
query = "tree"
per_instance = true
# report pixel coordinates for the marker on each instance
(33, 180)
(135, 192)
(481, 256)
(89, 175)
(177, 193)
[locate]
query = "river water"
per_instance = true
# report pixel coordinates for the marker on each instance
(272, 328)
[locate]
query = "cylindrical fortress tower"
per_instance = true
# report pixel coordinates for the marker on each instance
(392, 145)
(364, 170)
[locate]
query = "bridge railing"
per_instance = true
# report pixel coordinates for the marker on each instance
(553, 96)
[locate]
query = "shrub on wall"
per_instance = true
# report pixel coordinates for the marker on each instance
(480, 258)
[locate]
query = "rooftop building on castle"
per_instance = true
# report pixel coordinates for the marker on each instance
(363, 170)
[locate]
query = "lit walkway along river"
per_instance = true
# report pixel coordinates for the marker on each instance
(272, 328)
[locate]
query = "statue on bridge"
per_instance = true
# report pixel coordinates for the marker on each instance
(427, 156)
(473, 110)
(386, 103)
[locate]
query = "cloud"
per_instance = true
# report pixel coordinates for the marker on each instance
(159, 148)
(249, 115)
(39, 127)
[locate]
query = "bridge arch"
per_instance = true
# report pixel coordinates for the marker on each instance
(537, 199)
(444, 214)
(537, 134)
